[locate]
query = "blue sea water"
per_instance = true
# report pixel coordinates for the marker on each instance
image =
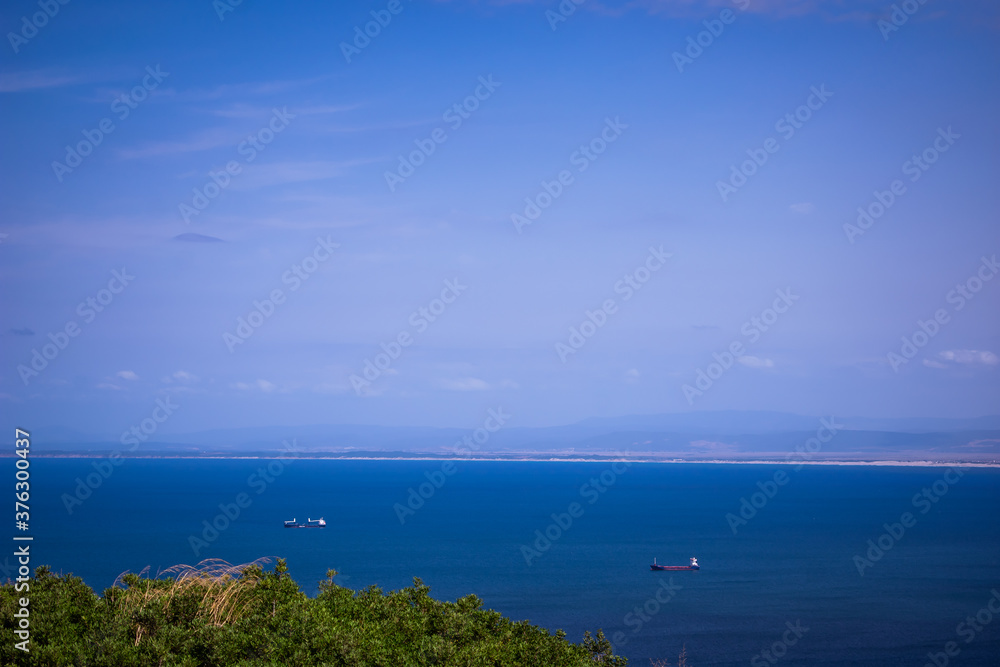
(792, 563)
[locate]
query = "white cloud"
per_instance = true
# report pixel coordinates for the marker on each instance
(262, 385)
(127, 375)
(464, 384)
(756, 362)
(970, 357)
(803, 208)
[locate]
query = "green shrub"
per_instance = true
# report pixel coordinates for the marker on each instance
(216, 614)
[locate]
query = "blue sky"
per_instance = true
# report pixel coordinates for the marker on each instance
(328, 131)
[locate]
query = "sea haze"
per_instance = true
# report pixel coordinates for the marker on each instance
(796, 560)
(730, 434)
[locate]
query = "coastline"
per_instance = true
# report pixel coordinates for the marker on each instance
(597, 458)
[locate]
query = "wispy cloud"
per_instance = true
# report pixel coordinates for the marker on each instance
(127, 375)
(756, 362)
(16, 82)
(241, 110)
(202, 141)
(191, 237)
(965, 358)
(464, 384)
(234, 90)
(261, 385)
(861, 11)
(696, 8)
(279, 173)
(776, 8)
(180, 376)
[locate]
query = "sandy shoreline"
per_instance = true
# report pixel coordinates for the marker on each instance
(554, 459)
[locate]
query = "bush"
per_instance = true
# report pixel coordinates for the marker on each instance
(220, 614)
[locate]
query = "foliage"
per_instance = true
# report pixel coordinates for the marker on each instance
(681, 660)
(219, 614)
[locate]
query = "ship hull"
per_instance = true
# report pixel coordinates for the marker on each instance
(674, 568)
(290, 524)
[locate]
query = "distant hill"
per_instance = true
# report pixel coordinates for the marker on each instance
(695, 435)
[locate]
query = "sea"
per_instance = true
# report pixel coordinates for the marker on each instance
(800, 565)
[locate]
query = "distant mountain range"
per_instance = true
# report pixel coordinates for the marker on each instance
(735, 435)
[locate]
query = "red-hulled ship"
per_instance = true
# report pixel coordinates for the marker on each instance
(693, 566)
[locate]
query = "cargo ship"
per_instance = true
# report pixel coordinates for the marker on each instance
(693, 566)
(309, 523)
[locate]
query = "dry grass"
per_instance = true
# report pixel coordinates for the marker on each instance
(220, 587)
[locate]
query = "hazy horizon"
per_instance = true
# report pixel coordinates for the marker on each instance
(728, 421)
